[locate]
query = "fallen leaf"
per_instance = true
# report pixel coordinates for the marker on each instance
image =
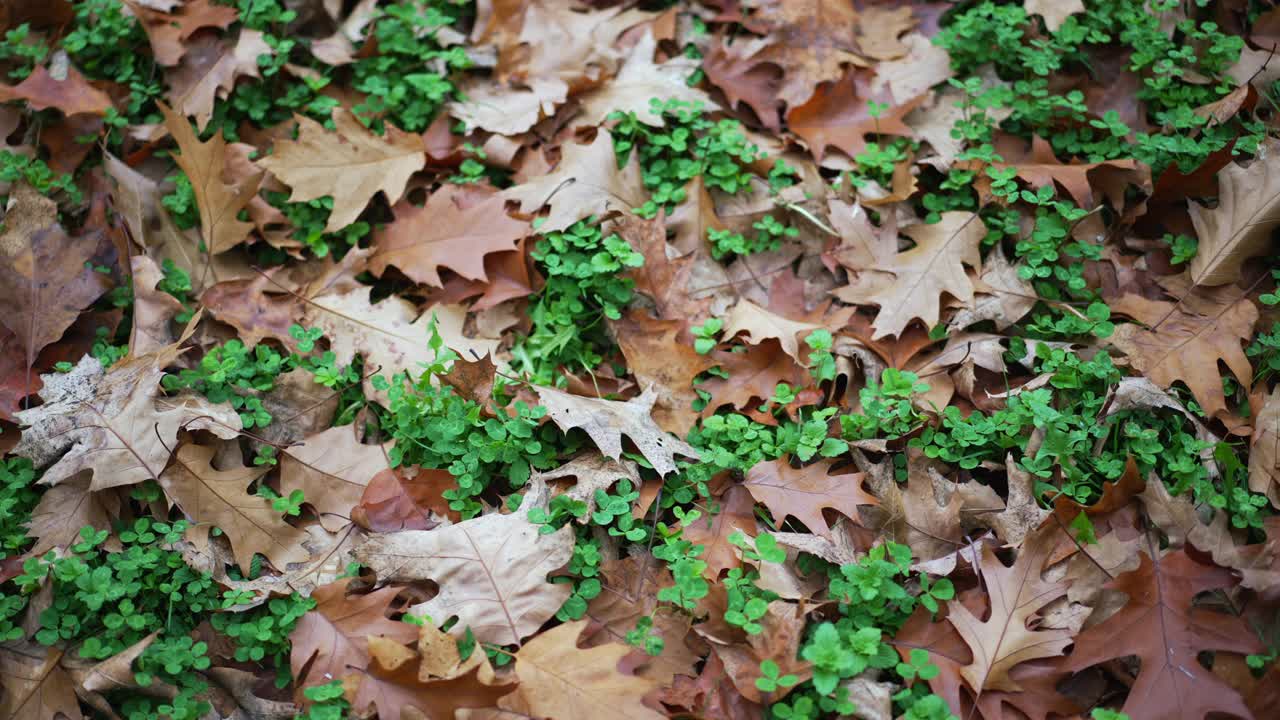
(71, 94)
(331, 638)
(350, 164)
(661, 359)
(837, 115)
(35, 685)
(586, 182)
(803, 493)
(640, 79)
(753, 376)
(168, 33)
(209, 69)
(1005, 299)
(443, 233)
(1264, 450)
(66, 508)
(332, 469)
(712, 531)
(394, 501)
(760, 324)
(491, 571)
(1053, 12)
(391, 683)
(778, 642)
(593, 472)
(153, 309)
(606, 421)
(1239, 227)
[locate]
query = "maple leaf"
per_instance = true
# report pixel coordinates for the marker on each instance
(351, 164)
(213, 498)
(71, 93)
(35, 685)
(712, 532)
(760, 324)
(46, 275)
(392, 682)
(1160, 625)
(209, 70)
(491, 571)
(112, 423)
(1004, 640)
(837, 115)
(641, 79)
(168, 33)
(803, 493)
(934, 266)
(606, 421)
(1264, 450)
(559, 680)
(1239, 227)
(586, 182)
(332, 469)
(1185, 340)
(331, 638)
(660, 358)
(219, 202)
(451, 230)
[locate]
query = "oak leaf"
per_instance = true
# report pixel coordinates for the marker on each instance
(1003, 296)
(753, 376)
(760, 324)
(71, 94)
(209, 70)
(664, 279)
(46, 277)
(218, 201)
(559, 680)
(936, 265)
(1186, 340)
(1161, 625)
(1054, 12)
(332, 469)
(212, 498)
(508, 110)
(912, 76)
(1004, 639)
(779, 642)
(837, 115)
(712, 531)
(586, 182)
(332, 638)
(1264, 450)
(445, 233)
(813, 40)
(592, 472)
(351, 164)
(168, 32)
(112, 423)
(1240, 226)
(803, 493)
(392, 682)
(397, 500)
(606, 421)
(641, 79)
(660, 358)
(35, 685)
(64, 509)
(912, 514)
(153, 309)
(745, 77)
(491, 570)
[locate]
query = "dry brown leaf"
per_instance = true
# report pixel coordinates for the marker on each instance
(1054, 12)
(331, 469)
(350, 164)
(168, 33)
(64, 509)
(445, 233)
(593, 472)
(922, 274)
(1003, 297)
(209, 69)
(586, 182)
(71, 94)
(492, 571)
(1264, 450)
(505, 110)
(212, 498)
(153, 310)
(1005, 638)
(1239, 227)
(779, 642)
(912, 76)
(606, 421)
(204, 164)
(559, 680)
(641, 79)
(760, 324)
(331, 638)
(392, 683)
(660, 357)
(712, 531)
(813, 40)
(803, 493)
(35, 685)
(837, 116)
(1022, 513)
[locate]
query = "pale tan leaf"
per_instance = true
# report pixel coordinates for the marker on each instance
(641, 79)
(332, 469)
(1054, 12)
(586, 182)
(760, 324)
(1264, 450)
(1239, 227)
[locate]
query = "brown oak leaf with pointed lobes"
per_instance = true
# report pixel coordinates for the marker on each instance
(1003, 297)
(153, 309)
(1022, 512)
(812, 41)
(491, 570)
(209, 70)
(168, 32)
(880, 30)
(350, 164)
(737, 513)
(753, 376)
(213, 498)
(64, 509)
(593, 471)
(779, 642)
(1053, 12)
(586, 182)
(910, 78)
(1041, 168)
(631, 588)
(838, 116)
(395, 500)
(331, 639)
(1005, 639)
(71, 94)
(936, 265)
(560, 680)
(445, 233)
(204, 163)
(663, 279)
(46, 277)
(1264, 450)
(1239, 228)
(661, 356)
(709, 696)
(507, 110)
(332, 469)
(912, 515)
(1160, 625)
(251, 307)
(640, 79)
(18, 380)
(689, 223)
(760, 324)
(803, 493)
(744, 78)
(1186, 340)
(606, 421)
(572, 49)
(35, 685)
(391, 683)
(113, 423)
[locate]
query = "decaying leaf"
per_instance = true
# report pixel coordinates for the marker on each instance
(331, 640)
(803, 493)
(586, 182)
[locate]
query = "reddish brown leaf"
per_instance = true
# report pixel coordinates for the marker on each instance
(838, 116)
(71, 94)
(737, 513)
(331, 639)
(395, 501)
(803, 493)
